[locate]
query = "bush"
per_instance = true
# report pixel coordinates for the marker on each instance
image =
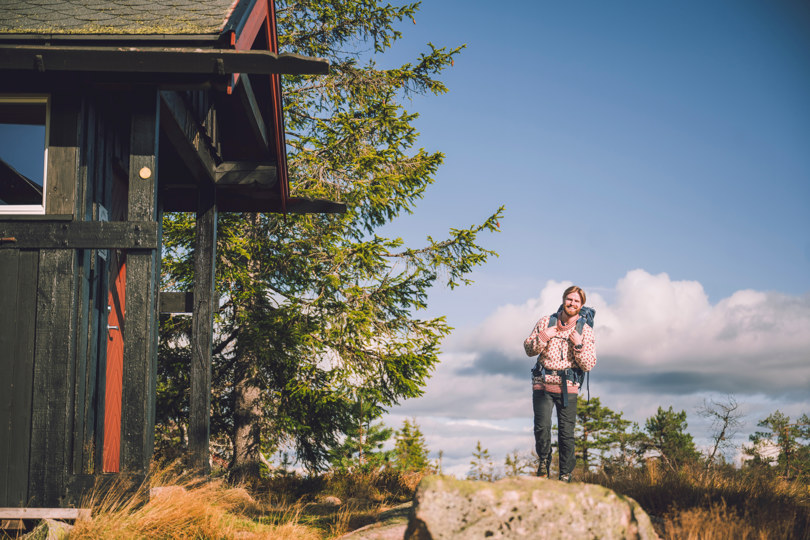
(692, 502)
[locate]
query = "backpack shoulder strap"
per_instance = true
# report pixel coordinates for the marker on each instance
(552, 321)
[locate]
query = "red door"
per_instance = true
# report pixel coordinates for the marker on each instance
(115, 362)
(116, 309)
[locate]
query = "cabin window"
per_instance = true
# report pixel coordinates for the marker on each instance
(23, 154)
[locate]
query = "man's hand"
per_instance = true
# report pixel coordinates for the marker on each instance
(550, 332)
(576, 338)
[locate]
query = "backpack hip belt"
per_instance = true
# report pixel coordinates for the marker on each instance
(565, 375)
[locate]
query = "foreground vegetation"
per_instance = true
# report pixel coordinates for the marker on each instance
(698, 503)
(174, 505)
(692, 503)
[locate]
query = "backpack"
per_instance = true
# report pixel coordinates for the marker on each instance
(586, 315)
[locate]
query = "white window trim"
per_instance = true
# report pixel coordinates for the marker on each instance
(32, 209)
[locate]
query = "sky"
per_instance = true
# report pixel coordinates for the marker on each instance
(656, 154)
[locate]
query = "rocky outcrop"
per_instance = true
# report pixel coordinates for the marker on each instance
(523, 507)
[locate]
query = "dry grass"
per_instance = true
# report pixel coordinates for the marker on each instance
(177, 506)
(693, 503)
(185, 507)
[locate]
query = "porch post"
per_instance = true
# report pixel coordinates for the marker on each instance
(202, 333)
(143, 275)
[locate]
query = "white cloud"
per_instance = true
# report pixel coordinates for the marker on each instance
(667, 334)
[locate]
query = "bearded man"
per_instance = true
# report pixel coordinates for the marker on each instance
(566, 350)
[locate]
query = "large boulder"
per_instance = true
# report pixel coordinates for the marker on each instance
(524, 507)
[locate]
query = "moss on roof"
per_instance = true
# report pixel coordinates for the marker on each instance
(164, 17)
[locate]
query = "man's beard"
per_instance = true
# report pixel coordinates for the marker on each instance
(571, 312)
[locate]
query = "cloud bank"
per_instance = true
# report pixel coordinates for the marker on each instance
(665, 336)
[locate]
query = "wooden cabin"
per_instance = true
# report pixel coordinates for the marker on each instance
(130, 109)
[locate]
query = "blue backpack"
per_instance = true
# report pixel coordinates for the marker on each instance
(586, 315)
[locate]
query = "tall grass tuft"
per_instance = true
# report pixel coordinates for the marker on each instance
(177, 506)
(693, 502)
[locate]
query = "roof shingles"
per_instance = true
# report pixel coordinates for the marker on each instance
(164, 17)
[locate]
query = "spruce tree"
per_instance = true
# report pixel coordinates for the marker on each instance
(362, 447)
(410, 450)
(320, 312)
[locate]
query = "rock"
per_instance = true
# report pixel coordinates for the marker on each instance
(524, 507)
(390, 525)
(331, 500)
(50, 529)
(324, 506)
(166, 492)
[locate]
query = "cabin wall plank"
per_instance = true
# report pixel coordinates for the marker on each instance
(16, 311)
(53, 362)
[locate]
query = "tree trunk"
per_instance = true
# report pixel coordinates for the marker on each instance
(247, 415)
(247, 410)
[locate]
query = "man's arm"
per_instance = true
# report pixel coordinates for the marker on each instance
(538, 339)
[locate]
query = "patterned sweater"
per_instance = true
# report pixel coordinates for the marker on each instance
(558, 352)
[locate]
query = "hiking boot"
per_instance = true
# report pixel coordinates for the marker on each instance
(543, 469)
(565, 477)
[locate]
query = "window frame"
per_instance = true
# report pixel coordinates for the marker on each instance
(32, 209)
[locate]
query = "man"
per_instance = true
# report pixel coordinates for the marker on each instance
(561, 348)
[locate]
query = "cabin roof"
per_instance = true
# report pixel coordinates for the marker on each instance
(122, 17)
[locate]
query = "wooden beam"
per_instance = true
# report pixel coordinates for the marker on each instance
(64, 140)
(180, 302)
(247, 173)
(45, 513)
(176, 302)
(175, 60)
(187, 136)
(256, 124)
(79, 235)
(143, 274)
(234, 200)
(202, 334)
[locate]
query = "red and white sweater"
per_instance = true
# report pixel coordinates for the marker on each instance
(558, 352)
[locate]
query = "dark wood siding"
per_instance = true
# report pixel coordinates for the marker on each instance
(18, 275)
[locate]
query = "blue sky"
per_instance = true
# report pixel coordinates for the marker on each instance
(657, 154)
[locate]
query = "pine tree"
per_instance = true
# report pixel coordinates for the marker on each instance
(520, 463)
(666, 435)
(790, 439)
(597, 429)
(482, 466)
(410, 450)
(319, 312)
(362, 448)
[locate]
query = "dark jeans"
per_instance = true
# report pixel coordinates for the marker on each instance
(542, 402)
